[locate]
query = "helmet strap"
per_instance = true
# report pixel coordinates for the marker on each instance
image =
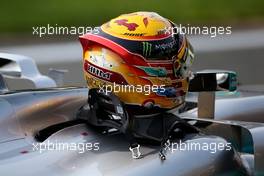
(107, 110)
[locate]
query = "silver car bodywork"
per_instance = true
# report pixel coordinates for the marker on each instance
(238, 120)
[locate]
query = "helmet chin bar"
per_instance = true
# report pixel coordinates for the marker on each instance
(108, 111)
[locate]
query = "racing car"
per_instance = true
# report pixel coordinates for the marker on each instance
(188, 123)
(50, 114)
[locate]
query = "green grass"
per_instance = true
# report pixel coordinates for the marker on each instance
(20, 16)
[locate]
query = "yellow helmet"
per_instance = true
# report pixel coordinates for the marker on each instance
(140, 58)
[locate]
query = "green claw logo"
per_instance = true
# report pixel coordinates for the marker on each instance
(146, 48)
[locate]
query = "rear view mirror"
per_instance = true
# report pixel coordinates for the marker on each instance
(17, 66)
(213, 80)
(207, 82)
(9, 68)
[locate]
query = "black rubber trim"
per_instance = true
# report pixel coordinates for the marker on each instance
(45, 133)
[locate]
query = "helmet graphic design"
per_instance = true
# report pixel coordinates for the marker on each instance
(141, 58)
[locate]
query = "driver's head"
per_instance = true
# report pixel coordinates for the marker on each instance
(140, 58)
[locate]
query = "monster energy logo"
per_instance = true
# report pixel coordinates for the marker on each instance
(146, 48)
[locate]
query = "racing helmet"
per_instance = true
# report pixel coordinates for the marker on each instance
(140, 57)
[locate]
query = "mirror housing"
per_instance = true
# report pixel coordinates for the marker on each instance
(207, 82)
(213, 80)
(22, 67)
